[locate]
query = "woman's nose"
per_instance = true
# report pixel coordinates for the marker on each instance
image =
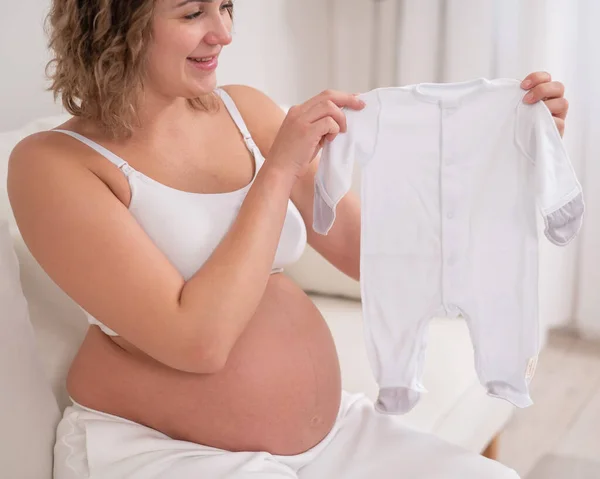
(220, 33)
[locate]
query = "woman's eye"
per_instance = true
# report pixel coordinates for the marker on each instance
(227, 6)
(193, 15)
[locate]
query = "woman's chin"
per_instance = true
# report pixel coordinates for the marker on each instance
(202, 88)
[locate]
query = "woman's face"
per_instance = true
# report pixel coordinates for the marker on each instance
(186, 31)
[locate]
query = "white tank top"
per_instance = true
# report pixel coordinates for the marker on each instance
(187, 226)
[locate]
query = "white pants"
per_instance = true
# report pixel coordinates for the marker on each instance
(363, 444)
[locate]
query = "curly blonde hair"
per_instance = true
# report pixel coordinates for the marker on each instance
(99, 51)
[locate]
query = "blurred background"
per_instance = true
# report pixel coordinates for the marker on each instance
(292, 50)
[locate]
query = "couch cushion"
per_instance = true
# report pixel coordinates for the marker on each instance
(29, 412)
(316, 275)
(456, 407)
(59, 323)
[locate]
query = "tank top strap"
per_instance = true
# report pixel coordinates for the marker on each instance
(237, 118)
(109, 155)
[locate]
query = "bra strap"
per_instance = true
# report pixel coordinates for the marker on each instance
(109, 155)
(237, 118)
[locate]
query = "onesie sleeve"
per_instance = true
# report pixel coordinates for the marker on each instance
(333, 178)
(559, 193)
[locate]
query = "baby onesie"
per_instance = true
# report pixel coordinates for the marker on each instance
(452, 177)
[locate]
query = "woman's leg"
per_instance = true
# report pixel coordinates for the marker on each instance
(372, 445)
(91, 444)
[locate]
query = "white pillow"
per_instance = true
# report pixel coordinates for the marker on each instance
(314, 274)
(59, 323)
(29, 412)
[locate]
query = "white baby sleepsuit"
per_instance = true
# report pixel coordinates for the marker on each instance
(451, 174)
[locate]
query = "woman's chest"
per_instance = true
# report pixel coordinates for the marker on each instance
(187, 227)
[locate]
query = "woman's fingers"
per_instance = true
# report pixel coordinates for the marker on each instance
(560, 124)
(340, 99)
(327, 128)
(559, 107)
(545, 91)
(542, 88)
(327, 104)
(325, 109)
(534, 79)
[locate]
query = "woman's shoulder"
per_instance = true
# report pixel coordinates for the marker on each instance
(39, 155)
(244, 92)
(37, 145)
(44, 142)
(251, 100)
(36, 157)
(38, 165)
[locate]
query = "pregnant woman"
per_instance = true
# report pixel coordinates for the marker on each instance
(168, 209)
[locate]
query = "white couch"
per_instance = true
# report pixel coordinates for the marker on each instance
(42, 329)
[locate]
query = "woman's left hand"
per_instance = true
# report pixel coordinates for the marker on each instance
(541, 87)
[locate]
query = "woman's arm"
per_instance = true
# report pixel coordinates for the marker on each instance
(89, 244)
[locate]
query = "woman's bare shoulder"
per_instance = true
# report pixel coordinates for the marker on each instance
(43, 143)
(248, 95)
(46, 153)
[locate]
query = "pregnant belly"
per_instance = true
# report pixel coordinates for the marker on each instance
(278, 392)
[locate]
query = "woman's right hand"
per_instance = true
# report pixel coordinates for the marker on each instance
(307, 126)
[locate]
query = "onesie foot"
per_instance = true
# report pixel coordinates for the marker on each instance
(502, 390)
(396, 400)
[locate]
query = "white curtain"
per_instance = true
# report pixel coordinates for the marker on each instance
(380, 43)
(585, 128)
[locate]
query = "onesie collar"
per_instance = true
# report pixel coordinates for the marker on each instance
(435, 92)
